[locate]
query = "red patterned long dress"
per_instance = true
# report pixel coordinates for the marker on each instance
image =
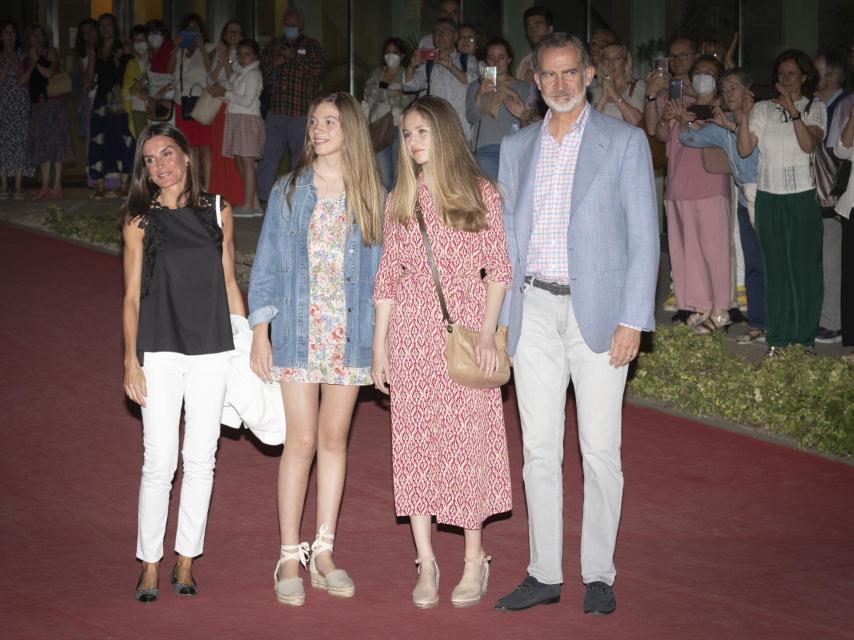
(449, 447)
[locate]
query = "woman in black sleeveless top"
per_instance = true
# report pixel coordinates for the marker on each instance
(179, 291)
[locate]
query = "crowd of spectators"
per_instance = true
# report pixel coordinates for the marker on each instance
(752, 225)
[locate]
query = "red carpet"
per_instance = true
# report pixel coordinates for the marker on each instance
(722, 536)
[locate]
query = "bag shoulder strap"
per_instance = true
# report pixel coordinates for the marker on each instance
(428, 71)
(446, 317)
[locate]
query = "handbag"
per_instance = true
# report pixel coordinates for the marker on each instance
(158, 110)
(824, 168)
(382, 132)
(207, 106)
(460, 341)
(59, 85)
(715, 161)
(188, 103)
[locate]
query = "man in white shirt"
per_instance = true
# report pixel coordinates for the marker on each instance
(443, 77)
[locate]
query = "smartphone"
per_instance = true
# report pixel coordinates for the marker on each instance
(660, 64)
(702, 111)
(490, 74)
(428, 54)
(188, 39)
(674, 90)
(763, 91)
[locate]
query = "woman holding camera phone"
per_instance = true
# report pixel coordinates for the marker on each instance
(496, 106)
(191, 60)
(786, 130)
(697, 205)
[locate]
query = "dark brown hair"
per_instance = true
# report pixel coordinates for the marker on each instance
(143, 190)
(806, 66)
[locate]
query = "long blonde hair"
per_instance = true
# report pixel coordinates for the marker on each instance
(361, 177)
(454, 178)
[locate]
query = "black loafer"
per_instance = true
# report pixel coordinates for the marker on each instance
(182, 588)
(531, 592)
(599, 599)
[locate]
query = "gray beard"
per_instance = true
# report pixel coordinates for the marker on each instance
(565, 107)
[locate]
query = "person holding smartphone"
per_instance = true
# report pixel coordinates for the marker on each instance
(720, 132)
(496, 106)
(697, 205)
(190, 63)
(442, 75)
(787, 130)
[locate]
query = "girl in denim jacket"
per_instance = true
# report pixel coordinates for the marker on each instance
(312, 318)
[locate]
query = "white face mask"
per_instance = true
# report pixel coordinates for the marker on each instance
(140, 47)
(703, 84)
(155, 40)
(392, 59)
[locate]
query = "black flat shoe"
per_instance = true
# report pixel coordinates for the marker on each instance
(182, 588)
(145, 595)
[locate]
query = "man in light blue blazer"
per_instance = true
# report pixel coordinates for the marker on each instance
(580, 214)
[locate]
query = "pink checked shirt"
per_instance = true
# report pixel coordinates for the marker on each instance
(547, 256)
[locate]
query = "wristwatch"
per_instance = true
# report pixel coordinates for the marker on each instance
(649, 99)
(797, 116)
(619, 101)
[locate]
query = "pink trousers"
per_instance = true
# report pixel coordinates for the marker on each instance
(698, 237)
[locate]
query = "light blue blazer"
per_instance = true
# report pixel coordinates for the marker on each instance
(612, 240)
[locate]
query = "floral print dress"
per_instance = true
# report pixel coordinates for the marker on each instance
(14, 119)
(327, 334)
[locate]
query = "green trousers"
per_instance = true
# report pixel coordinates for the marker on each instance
(790, 232)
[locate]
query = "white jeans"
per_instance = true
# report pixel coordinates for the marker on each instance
(551, 351)
(198, 382)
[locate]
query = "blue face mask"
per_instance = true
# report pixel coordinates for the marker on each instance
(291, 33)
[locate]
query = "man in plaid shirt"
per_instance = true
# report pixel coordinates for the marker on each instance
(581, 219)
(291, 66)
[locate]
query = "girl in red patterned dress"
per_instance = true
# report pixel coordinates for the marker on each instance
(449, 447)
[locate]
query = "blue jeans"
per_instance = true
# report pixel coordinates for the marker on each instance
(754, 270)
(281, 131)
(487, 158)
(387, 164)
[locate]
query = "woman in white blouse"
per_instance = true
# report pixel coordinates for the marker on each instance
(788, 218)
(617, 94)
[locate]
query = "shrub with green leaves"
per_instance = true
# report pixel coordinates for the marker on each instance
(102, 228)
(807, 398)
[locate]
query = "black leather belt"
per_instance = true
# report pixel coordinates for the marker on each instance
(554, 288)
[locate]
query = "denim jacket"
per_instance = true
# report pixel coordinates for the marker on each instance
(279, 286)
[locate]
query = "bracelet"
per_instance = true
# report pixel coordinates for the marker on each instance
(620, 101)
(795, 117)
(649, 99)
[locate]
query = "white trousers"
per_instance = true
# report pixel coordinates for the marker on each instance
(550, 353)
(199, 383)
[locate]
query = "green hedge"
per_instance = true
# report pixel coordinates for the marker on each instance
(810, 399)
(102, 228)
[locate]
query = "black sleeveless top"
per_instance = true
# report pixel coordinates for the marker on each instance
(183, 303)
